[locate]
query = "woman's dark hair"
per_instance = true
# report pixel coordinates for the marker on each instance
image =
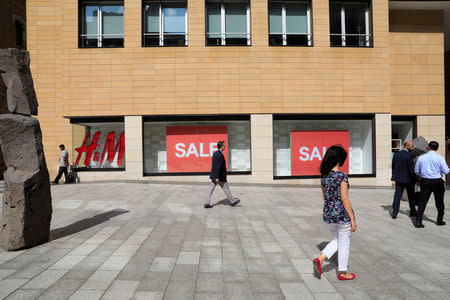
(336, 154)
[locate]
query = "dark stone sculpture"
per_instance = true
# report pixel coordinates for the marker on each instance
(27, 206)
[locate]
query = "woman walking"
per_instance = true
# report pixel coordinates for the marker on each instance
(337, 212)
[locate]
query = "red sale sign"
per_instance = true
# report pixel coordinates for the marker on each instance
(190, 148)
(309, 147)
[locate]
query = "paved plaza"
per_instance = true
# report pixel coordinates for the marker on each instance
(154, 241)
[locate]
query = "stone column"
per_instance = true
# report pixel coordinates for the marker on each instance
(383, 152)
(133, 148)
(432, 128)
(262, 148)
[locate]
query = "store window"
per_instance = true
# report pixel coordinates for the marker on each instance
(402, 129)
(101, 24)
(98, 145)
(228, 23)
(300, 144)
(350, 23)
(290, 23)
(186, 147)
(165, 23)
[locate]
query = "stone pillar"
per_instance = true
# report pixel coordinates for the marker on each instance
(133, 148)
(432, 128)
(262, 148)
(383, 152)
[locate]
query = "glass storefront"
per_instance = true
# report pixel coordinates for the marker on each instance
(184, 147)
(357, 133)
(98, 145)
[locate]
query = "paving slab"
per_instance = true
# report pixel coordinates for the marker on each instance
(155, 243)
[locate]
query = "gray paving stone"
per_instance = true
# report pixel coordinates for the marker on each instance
(269, 296)
(180, 290)
(154, 281)
(24, 295)
(294, 291)
(162, 264)
(238, 291)
(210, 264)
(303, 266)
(100, 280)
(264, 283)
(286, 274)
(209, 283)
(8, 286)
(257, 265)
(188, 258)
(328, 296)
(208, 296)
(141, 295)
(318, 286)
(86, 295)
(45, 279)
(62, 289)
(121, 289)
(183, 272)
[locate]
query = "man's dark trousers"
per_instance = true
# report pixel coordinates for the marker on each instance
(428, 186)
(399, 188)
(60, 172)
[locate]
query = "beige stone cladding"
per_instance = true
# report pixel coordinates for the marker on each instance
(402, 74)
(432, 128)
(133, 147)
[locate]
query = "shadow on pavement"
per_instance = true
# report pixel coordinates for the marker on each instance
(224, 202)
(85, 224)
(402, 212)
(333, 261)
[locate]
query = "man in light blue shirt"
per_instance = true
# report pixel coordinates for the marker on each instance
(430, 167)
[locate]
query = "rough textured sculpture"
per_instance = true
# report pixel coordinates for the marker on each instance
(15, 71)
(27, 208)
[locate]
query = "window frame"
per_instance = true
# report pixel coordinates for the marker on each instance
(82, 23)
(284, 34)
(222, 32)
(161, 24)
(368, 25)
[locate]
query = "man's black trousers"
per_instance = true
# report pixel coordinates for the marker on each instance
(399, 187)
(428, 186)
(60, 172)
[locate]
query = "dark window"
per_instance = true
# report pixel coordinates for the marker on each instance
(350, 23)
(290, 23)
(19, 34)
(228, 23)
(165, 23)
(101, 24)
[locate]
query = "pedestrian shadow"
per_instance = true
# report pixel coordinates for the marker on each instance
(225, 202)
(85, 224)
(388, 208)
(333, 261)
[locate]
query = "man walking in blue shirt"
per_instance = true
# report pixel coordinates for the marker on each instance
(430, 167)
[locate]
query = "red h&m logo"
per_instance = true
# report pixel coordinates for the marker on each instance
(109, 149)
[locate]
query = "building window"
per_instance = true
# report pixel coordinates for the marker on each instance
(185, 147)
(228, 23)
(101, 24)
(98, 144)
(350, 24)
(290, 23)
(20, 41)
(165, 23)
(299, 144)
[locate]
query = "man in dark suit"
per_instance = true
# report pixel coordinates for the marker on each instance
(219, 176)
(404, 177)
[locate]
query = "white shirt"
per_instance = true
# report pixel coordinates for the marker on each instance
(431, 165)
(62, 160)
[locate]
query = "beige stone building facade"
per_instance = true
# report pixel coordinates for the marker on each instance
(133, 80)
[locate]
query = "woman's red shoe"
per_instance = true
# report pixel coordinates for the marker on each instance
(340, 277)
(317, 268)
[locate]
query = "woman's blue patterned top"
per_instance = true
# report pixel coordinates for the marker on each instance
(333, 209)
